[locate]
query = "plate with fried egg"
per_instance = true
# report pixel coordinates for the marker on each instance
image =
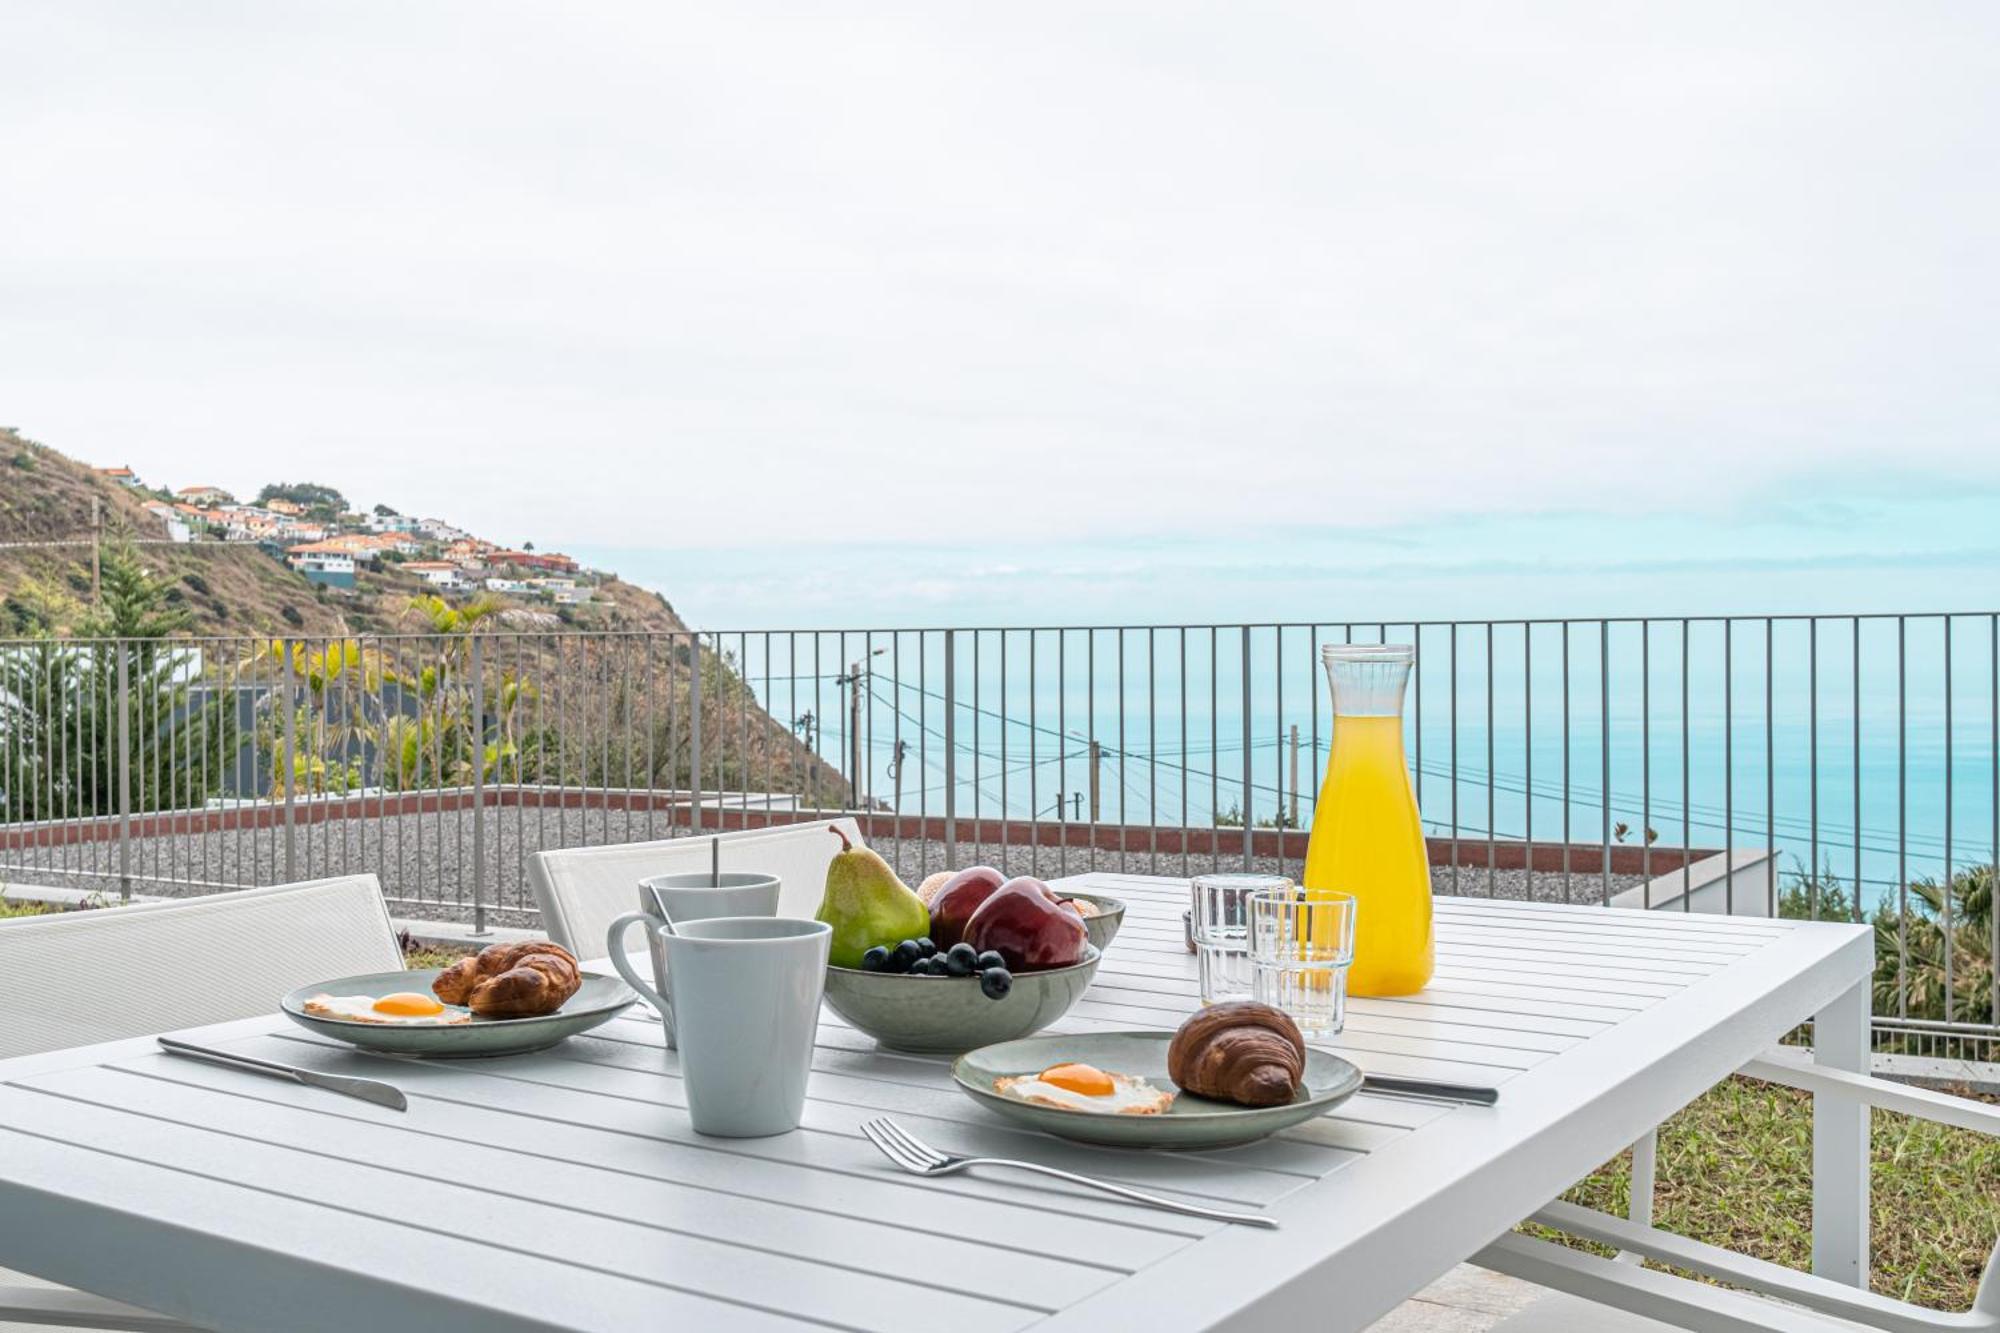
(396, 1012)
(1112, 1088)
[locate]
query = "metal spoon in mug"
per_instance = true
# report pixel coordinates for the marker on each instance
(660, 906)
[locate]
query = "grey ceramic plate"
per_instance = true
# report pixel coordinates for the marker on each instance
(599, 999)
(1192, 1122)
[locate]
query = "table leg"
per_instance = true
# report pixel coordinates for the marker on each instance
(1840, 1144)
(1645, 1166)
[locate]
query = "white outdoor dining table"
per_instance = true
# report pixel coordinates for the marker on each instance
(565, 1189)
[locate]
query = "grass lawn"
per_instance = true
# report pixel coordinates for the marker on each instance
(8, 907)
(1735, 1169)
(420, 956)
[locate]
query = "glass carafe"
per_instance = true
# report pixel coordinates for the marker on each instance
(1367, 839)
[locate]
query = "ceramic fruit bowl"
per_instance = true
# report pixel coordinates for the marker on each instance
(1103, 927)
(952, 1014)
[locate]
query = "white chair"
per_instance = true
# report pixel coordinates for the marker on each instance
(112, 973)
(582, 890)
(1790, 1301)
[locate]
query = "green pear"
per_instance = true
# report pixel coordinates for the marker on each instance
(867, 905)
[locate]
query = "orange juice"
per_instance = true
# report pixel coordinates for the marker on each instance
(1367, 839)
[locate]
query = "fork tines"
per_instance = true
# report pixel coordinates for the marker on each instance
(902, 1147)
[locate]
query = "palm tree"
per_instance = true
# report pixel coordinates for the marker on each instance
(1911, 953)
(60, 723)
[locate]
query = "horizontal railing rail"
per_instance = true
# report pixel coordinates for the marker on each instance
(1811, 765)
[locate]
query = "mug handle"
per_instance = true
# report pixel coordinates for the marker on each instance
(614, 940)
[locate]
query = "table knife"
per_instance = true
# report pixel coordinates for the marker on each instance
(367, 1089)
(1428, 1090)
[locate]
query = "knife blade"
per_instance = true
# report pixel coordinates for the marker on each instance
(366, 1089)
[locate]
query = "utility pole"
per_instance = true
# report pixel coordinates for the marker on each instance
(96, 548)
(854, 678)
(896, 771)
(1096, 762)
(857, 673)
(1295, 775)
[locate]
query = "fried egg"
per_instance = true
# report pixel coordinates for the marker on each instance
(1079, 1087)
(405, 1008)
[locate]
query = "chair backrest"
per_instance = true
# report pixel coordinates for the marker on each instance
(582, 890)
(72, 978)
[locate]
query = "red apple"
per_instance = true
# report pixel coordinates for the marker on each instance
(958, 900)
(1025, 923)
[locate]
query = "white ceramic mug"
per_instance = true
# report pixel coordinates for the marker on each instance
(746, 1006)
(696, 896)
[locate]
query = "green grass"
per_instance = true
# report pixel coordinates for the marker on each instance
(421, 956)
(1735, 1169)
(9, 908)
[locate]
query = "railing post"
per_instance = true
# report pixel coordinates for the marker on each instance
(124, 775)
(951, 747)
(291, 698)
(478, 788)
(1247, 861)
(694, 733)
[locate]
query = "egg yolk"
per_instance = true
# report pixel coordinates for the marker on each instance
(408, 1004)
(1084, 1080)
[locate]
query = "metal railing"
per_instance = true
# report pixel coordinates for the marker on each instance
(1812, 765)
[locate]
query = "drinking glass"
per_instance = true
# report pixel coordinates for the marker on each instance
(1222, 932)
(1300, 949)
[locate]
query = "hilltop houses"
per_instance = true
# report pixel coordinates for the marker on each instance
(332, 552)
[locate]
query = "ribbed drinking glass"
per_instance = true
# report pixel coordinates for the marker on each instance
(1301, 946)
(1222, 932)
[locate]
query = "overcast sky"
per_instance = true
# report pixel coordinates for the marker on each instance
(661, 276)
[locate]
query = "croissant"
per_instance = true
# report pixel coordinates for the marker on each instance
(511, 980)
(1242, 1052)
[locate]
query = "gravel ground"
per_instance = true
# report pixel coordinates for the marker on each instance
(428, 860)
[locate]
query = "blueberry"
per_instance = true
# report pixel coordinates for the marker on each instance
(995, 982)
(921, 968)
(938, 962)
(959, 959)
(905, 954)
(927, 947)
(989, 959)
(875, 960)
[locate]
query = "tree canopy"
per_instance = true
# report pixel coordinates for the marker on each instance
(310, 494)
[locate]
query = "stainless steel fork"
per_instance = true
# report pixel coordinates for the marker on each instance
(920, 1159)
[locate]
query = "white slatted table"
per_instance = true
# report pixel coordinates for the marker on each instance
(565, 1189)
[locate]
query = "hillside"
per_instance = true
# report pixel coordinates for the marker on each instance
(249, 588)
(230, 587)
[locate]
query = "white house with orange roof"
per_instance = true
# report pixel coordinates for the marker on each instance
(204, 496)
(334, 569)
(177, 527)
(124, 476)
(437, 573)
